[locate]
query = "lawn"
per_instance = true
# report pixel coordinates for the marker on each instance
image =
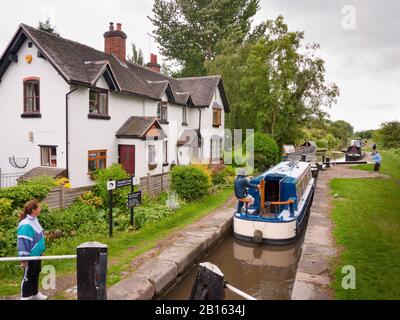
(123, 247)
(390, 164)
(367, 224)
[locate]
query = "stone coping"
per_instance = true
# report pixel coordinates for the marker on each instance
(158, 275)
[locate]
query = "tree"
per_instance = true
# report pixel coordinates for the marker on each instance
(275, 84)
(47, 26)
(390, 134)
(190, 31)
(341, 130)
(266, 151)
(366, 134)
(137, 56)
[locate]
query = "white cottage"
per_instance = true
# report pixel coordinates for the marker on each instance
(66, 107)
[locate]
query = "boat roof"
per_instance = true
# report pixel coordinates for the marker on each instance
(292, 169)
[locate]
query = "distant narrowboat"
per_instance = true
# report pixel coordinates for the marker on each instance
(291, 153)
(354, 152)
(282, 205)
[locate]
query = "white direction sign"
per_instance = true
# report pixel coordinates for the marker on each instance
(111, 185)
(135, 181)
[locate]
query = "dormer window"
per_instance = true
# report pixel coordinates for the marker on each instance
(32, 96)
(162, 112)
(98, 102)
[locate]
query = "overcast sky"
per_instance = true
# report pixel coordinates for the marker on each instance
(360, 41)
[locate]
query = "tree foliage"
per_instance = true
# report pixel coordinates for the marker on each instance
(390, 134)
(190, 31)
(275, 84)
(137, 56)
(266, 152)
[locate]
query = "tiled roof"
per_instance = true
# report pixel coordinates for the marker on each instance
(82, 65)
(137, 127)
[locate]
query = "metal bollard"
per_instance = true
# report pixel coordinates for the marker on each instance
(209, 284)
(328, 162)
(92, 271)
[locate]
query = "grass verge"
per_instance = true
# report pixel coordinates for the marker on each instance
(367, 219)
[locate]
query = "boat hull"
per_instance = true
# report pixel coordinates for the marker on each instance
(273, 232)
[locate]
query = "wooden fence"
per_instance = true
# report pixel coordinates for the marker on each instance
(156, 184)
(61, 197)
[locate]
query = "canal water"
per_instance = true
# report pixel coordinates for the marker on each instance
(265, 272)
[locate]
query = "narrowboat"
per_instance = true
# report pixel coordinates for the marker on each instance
(282, 205)
(354, 152)
(292, 153)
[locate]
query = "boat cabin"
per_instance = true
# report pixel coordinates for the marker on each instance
(284, 188)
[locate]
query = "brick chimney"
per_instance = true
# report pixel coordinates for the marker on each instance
(115, 41)
(153, 65)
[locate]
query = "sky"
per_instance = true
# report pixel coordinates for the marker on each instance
(360, 41)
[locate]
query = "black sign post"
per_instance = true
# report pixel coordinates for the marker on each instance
(110, 214)
(134, 198)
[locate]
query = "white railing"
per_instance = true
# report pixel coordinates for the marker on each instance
(8, 180)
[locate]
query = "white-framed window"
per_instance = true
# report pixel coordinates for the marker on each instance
(98, 101)
(216, 149)
(152, 154)
(162, 111)
(48, 155)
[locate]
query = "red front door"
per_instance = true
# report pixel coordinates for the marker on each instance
(127, 158)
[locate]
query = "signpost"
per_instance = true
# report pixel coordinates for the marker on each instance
(134, 198)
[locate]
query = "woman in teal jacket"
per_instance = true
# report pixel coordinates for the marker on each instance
(31, 243)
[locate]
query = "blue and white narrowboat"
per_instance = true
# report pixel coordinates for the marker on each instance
(282, 205)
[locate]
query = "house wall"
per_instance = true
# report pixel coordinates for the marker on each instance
(47, 130)
(84, 134)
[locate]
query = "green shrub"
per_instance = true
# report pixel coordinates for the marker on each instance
(70, 221)
(156, 212)
(115, 172)
(25, 192)
(190, 183)
(322, 143)
(90, 199)
(266, 151)
(221, 175)
(44, 180)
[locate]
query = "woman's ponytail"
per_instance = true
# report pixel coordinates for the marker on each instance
(28, 209)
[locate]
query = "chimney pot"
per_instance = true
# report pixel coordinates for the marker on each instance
(153, 65)
(115, 41)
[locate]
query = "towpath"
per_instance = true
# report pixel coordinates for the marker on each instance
(313, 274)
